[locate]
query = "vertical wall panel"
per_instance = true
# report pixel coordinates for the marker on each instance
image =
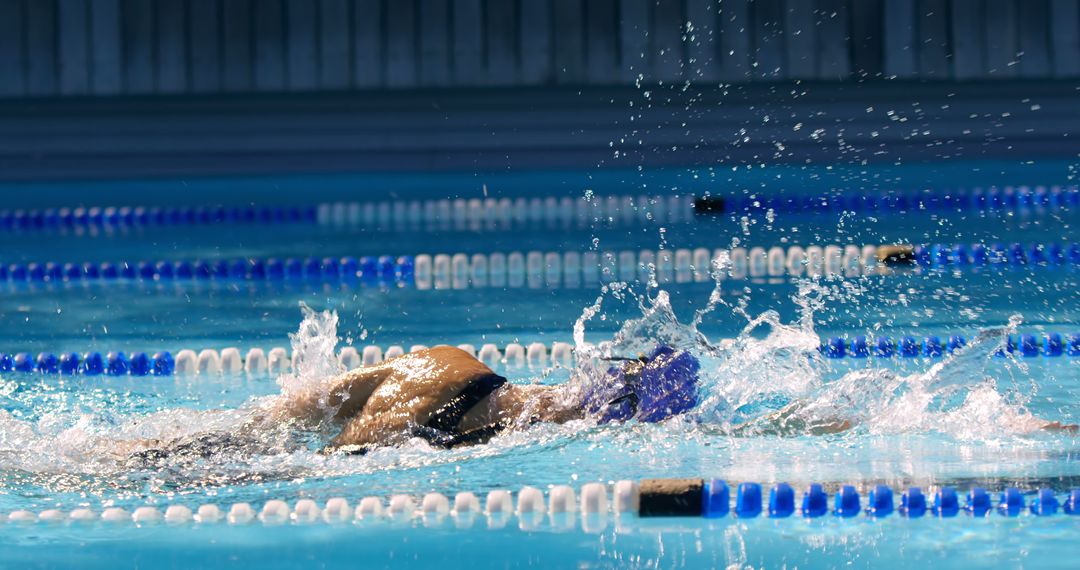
(500, 30)
(969, 49)
(702, 46)
(74, 47)
(172, 49)
(204, 43)
(667, 49)
(468, 36)
(569, 41)
(368, 63)
(401, 60)
(601, 41)
(50, 47)
(634, 39)
(270, 45)
(768, 17)
(800, 39)
(933, 39)
(866, 37)
(535, 41)
(301, 48)
(236, 45)
(138, 46)
(434, 42)
(12, 57)
(1034, 35)
(735, 27)
(1001, 43)
(900, 44)
(833, 40)
(41, 69)
(1065, 34)
(334, 40)
(105, 59)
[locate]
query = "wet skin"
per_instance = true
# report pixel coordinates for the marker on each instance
(381, 404)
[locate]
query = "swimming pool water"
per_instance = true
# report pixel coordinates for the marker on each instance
(973, 430)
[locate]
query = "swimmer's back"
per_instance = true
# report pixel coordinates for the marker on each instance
(382, 404)
(410, 391)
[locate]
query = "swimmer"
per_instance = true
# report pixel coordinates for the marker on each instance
(449, 398)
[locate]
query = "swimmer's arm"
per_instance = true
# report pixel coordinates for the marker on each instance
(788, 422)
(1058, 427)
(517, 405)
(391, 428)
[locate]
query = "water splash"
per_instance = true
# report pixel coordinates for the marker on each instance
(315, 364)
(771, 379)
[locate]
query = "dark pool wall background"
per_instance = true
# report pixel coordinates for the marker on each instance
(180, 88)
(52, 48)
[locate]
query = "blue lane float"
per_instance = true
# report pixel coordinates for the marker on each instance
(90, 364)
(815, 502)
(716, 499)
(1026, 345)
(847, 502)
(996, 254)
(1045, 503)
(946, 503)
(748, 501)
(880, 503)
(138, 217)
(382, 270)
(1010, 504)
(1032, 199)
(978, 502)
(913, 503)
(781, 501)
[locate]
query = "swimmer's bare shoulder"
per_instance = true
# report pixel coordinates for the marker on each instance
(348, 393)
(416, 385)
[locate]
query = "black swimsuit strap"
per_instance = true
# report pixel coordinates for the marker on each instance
(447, 417)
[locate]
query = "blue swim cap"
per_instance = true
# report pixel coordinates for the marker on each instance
(662, 385)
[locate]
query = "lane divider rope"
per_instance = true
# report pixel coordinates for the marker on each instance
(707, 498)
(504, 213)
(129, 217)
(1026, 345)
(459, 213)
(460, 271)
(256, 362)
(551, 269)
(1026, 199)
(940, 255)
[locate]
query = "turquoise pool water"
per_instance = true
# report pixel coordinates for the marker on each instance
(961, 420)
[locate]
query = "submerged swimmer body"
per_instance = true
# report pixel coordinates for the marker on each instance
(449, 398)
